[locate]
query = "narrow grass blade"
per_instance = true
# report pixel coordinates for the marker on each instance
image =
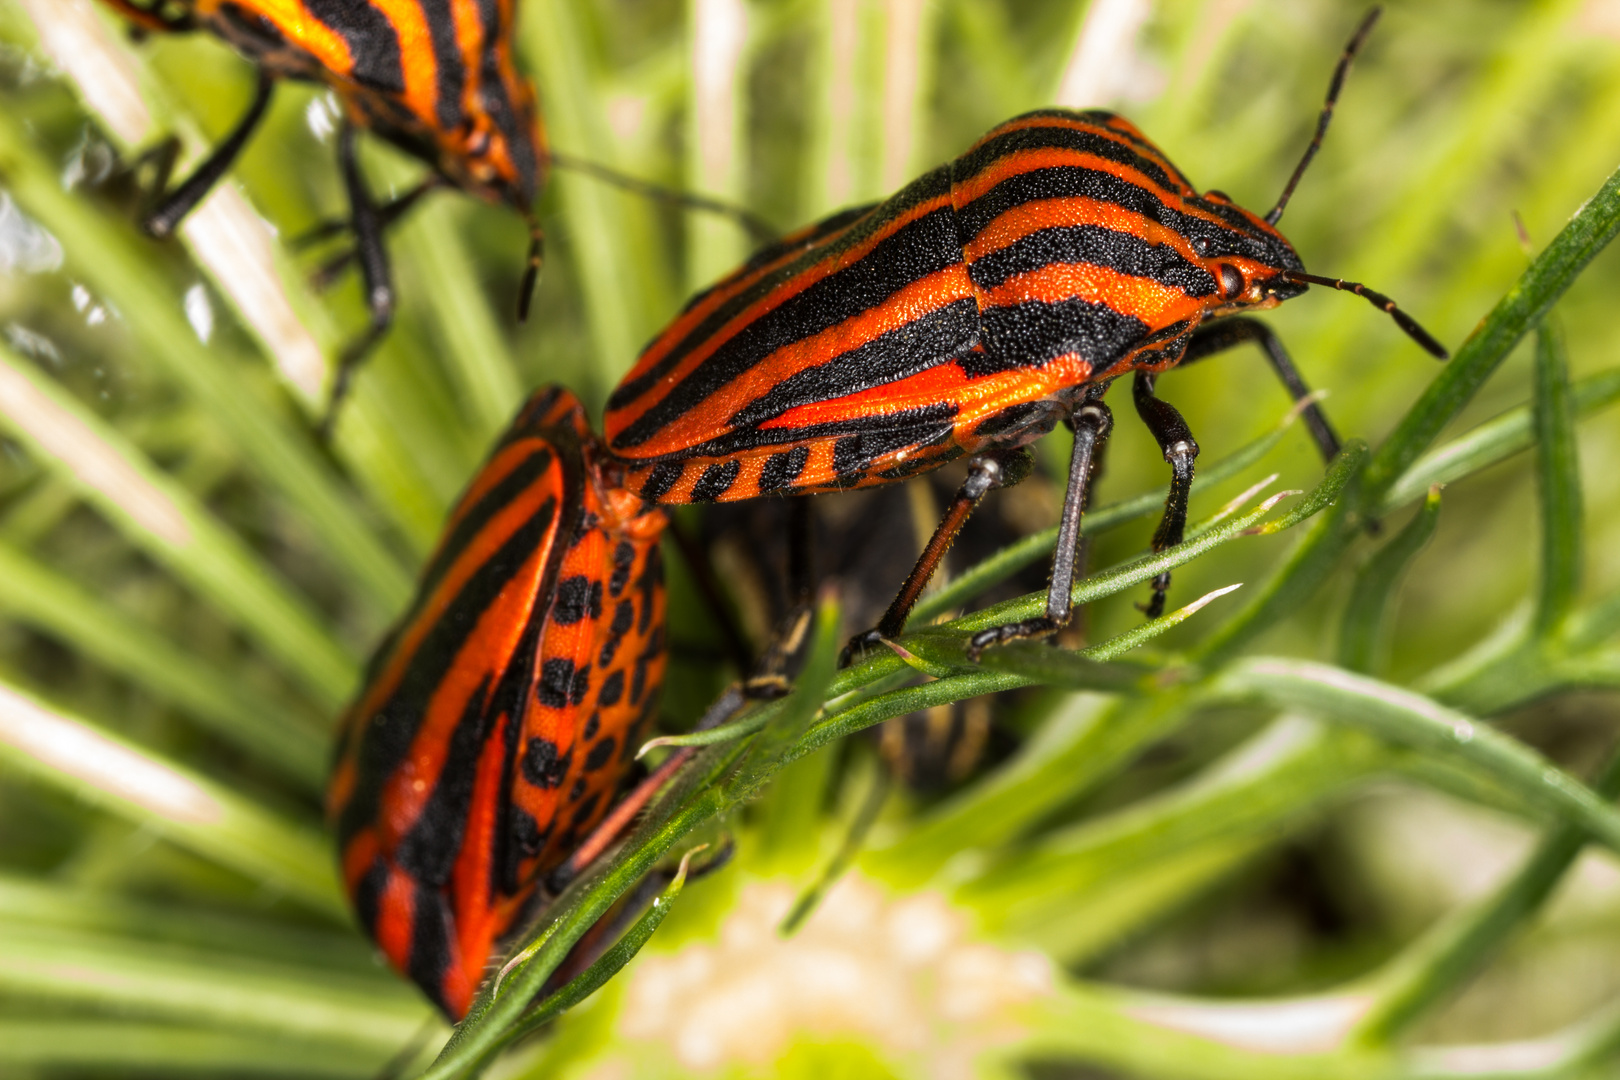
(1314, 557)
(195, 813)
(138, 979)
(162, 519)
(1434, 967)
(1364, 630)
(611, 240)
(1495, 440)
(1532, 296)
(278, 733)
(472, 347)
(1412, 720)
(108, 258)
(30, 904)
(1558, 472)
(109, 1046)
(611, 962)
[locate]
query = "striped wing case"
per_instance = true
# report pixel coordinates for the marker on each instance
(435, 78)
(500, 717)
(967, 311)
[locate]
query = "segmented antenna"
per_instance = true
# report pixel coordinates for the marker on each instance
(1380, 301)
(531, 271)
(1349, 54)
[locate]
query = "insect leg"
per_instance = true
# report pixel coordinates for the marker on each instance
(1180, 450)
(1227, 333)
(985, 472)
(1092, 423)
(375, 276)
(174, 205)
(388, 214)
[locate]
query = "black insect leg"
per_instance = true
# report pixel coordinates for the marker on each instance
(172, 206)
(1227, 333)
(985, 473)
(1092, 423)
(388, 214)
(1179, 449)
(375, 276)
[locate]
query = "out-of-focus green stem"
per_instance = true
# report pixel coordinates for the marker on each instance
(162, 519)
(107, 257)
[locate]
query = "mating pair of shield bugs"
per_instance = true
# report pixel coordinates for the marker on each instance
(966, 316)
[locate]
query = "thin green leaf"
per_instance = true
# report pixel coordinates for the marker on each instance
(1495, 440)
(1314, 556)
(112, 1047)
(278, 733)
(1410, 719)
(1364, 630)
(1434, 967)
(1526, 303)
(195, 813)
(163, 519)
(472, 345)
(1559, 475)
(611, 962)
(107, 256)
(71, 969)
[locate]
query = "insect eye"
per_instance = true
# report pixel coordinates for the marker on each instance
(1231, 281)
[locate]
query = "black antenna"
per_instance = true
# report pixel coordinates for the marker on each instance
(1349, 54)
(758, 229)
(531, 270)
(1380, 301)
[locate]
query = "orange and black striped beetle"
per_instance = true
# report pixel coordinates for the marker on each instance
(968, 314)
(500, 718)
(437, 80)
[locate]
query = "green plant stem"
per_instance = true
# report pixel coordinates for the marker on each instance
(1495, 440)
(1430, 970)
(1409, 719)
(170, 1049)
(1525, 304)
(276, 732)
(159, 517)
(1558, 472)
(1364, 629)
(195, 813)
(106, 255)
(84, 971)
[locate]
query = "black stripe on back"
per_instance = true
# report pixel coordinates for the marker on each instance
(391, 729)
(450, 79)
(522, 475)
(1070, 182)
(920, 426)
(371, 38)
(982, 157)
(919, 248)
(1093, 245)
(1032, 334)
(430, 943)
(846, 235)
(924, 342)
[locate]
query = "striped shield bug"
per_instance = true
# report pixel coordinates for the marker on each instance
(500, 716)
(969, 314)
(436, 80)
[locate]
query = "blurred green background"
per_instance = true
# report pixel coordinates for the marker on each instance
(189, 582)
